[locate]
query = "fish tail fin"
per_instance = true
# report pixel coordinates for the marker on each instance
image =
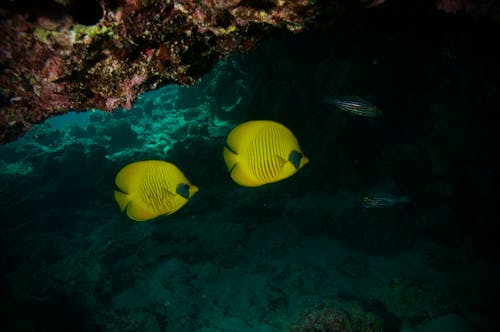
(230, 158)
(122, 199)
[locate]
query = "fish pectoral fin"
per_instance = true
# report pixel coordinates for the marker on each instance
(282, 161)
(287, 167)
(171, 195)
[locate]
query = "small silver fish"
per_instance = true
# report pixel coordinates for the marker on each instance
(383, 200)
(355, 105)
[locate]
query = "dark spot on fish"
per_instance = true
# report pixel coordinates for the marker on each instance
(294, 158)
(183, 190)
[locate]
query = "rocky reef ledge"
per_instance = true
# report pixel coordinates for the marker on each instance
(62, 55)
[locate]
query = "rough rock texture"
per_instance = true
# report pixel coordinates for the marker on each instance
(59, 55)
(56, 59)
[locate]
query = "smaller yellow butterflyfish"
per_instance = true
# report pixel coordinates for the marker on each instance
(150, 188)
(262, 151)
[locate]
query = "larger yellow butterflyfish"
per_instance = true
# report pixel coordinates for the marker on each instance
(150, 188)
(260, 152)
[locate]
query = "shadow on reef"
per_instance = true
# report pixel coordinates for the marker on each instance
(284, 256)
(59, 312)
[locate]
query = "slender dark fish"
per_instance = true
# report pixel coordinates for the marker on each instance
(383, 200)
(355, 105)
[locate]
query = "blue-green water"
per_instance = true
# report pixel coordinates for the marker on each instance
(312, 252)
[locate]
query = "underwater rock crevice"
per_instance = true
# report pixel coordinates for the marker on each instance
(55, 60)
(62, 55)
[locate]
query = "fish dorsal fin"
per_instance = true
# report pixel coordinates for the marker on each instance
(241, 136)
(130, 177)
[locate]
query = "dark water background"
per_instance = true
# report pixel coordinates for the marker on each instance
(289, 256)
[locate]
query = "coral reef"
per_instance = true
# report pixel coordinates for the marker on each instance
(62, 55)
(413, 302)
(56, 59)
(330, 316)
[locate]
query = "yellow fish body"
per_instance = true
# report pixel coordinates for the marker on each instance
(260, 152)
(148, 189)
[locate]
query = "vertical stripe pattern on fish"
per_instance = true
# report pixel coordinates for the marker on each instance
(150, 188)
(261, 152)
